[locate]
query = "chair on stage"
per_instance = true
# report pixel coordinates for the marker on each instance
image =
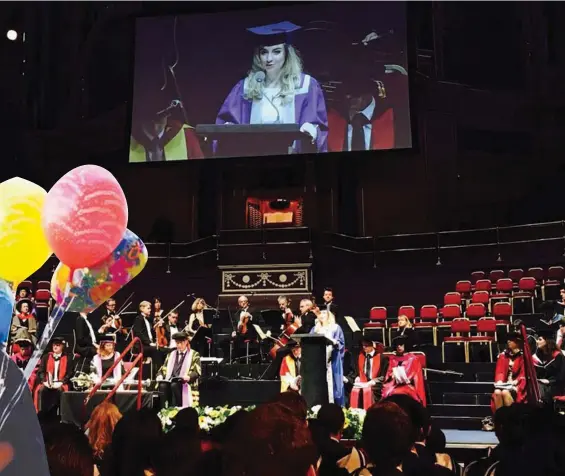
(377, 320)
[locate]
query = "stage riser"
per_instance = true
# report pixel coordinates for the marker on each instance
(458, 423)
(449, 410)
(466, 398)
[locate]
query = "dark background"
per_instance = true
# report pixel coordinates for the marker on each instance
(486, 84)
(215, 51)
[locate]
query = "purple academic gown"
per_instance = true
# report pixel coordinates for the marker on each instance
(309, 106)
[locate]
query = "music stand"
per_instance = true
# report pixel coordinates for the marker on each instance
(273, 320)
(200, 340)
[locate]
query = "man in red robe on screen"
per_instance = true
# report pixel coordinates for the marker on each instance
(54, 376)
(404, 375)
(371, 368)
(360, 118)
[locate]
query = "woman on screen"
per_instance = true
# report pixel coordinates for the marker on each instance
(276, 91)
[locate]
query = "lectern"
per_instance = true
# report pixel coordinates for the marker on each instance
(248, 140)
(313, 369)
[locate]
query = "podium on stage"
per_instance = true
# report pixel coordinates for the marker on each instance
(247, 140)
(313, 368)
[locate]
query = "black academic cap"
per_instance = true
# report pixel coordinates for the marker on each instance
(22, 301)
(514, 336)
(367, 341)
(547, 333)
(180, 336)
(292, 343)
(399, 340)
(108, 338)
(58, 340)
(274, 34)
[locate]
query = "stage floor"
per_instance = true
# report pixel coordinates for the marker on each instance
(470, 439)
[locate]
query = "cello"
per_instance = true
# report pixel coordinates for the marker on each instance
(291, 326)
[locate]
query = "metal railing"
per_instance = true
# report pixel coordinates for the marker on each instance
(497, 238)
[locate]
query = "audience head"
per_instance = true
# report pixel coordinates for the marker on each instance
(332, 419)
(294, 402)
(387, 436)
(68, 451)
(187, 420)
(135, 436)
(280, 444)
(418, 415)
(101, 425)
(435, 441)
(177, 453)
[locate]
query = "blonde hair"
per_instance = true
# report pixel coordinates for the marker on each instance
(290, 76)
(195, 304)
(101, 425)
(143, 304)
(330, 320)
(408, 323)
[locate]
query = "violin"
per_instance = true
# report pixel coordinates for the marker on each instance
(162, 340)
(284, 338)
(243, 322)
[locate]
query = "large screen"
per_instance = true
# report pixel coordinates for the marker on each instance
(310, 78)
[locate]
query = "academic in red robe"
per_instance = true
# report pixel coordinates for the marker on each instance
(365, 397)
(415, 389)
(510, 367)
(44, 397)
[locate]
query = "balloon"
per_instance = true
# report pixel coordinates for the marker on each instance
(85, 216)
(6, 307)
(23, 246)
(84, 289)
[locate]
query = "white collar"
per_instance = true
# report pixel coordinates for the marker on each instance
(369, 110)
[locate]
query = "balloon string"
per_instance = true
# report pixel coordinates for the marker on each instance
(52, 323)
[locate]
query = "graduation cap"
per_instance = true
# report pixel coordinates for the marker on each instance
(547, 333)
(292, 343)
(274, 34)
(58, 340)
(108, 338)
(399, 340)
(514, 337)
(367, 341)
(179, 336)
(24, 301)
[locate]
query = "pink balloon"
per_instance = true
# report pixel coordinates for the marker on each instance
(85, 216)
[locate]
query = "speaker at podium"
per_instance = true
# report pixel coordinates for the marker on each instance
(314, 368)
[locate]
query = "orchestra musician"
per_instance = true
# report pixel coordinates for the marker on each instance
(178, 377)
(510, 374)
(171, 328)
(86, 339)
(404, 374)
(24, 319)
(112, 323)
(371, 368)
(196, 319)
(287, 314)
(143, 329)
(104, 359)
(54, 376)
(307, 319)
(245, 331)
(290, 368)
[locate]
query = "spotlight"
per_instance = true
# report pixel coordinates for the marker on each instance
(12, 35)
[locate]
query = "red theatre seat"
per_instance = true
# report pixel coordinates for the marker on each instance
(460, 330)
(476, 310)
(377, 320)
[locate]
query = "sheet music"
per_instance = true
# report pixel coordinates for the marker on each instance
(260, 332)
(217, 360)
(352, 324)
(399, 374)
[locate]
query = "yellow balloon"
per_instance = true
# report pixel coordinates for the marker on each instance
(23, 246)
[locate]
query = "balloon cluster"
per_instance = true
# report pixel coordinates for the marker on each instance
(83, 220)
